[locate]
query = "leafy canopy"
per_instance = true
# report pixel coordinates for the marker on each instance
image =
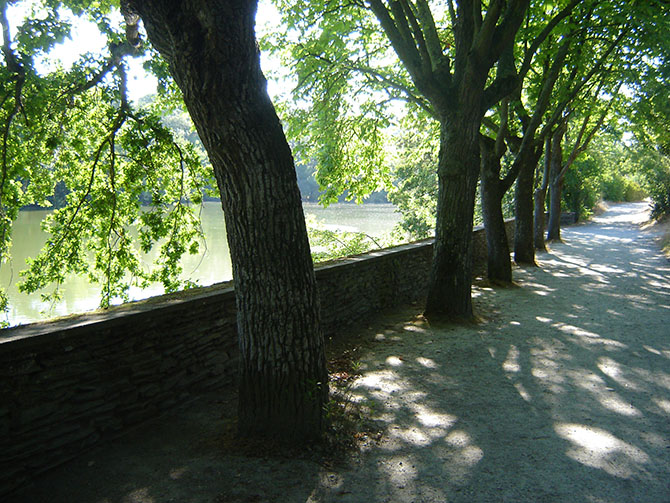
(74, 127)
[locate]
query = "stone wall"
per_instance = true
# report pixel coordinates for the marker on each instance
(66, 384)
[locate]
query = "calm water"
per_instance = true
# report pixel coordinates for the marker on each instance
(210, 266)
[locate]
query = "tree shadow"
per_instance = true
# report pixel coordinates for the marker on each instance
(563, 395)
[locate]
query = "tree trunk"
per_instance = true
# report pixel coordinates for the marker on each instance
(556, 183)
(554, 225)
(449, 288)
(524, 248)
(499, 265)
(540, 202)
(212, 55)
(540, 198)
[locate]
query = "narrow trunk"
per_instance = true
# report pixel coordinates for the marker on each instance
(540, 198)
(540, 202)
(556, 183)
(554, 225)
(524, 248)
(212, 54)
(449, 294)
(499, 265)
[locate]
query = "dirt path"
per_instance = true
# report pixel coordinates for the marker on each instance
(561, 395)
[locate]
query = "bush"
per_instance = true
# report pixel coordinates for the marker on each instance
(656, 169)
(659, 191)
(616, 187)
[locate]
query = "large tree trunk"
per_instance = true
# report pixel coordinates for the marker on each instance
(211, 50)
(499, 265)
(449, 288)
(524, 248)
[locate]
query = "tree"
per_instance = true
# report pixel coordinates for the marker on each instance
(446, 64)
(527, 150)
(558, 167)
(595, 40)
(209, 49)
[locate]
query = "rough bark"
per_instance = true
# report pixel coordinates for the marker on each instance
(449, 289)
(211, 50)
(458, 96)
(524, 248)
(499, 265)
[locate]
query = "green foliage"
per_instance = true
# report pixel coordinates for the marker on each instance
(580, 189)
(616, 187)
(655, 167)
(71, 137)
(329, 244)
(607, 170)
(414, 170)
(338, 113)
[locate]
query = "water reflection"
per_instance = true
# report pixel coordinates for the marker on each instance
(211, 265)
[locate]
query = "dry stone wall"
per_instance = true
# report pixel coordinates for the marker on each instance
(67, 384)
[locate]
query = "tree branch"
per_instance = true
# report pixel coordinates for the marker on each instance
(537, 42)
(401, 40)
(432, 38)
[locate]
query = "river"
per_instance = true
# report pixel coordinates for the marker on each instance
(212, 265)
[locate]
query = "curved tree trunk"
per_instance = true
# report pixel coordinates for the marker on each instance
(212, 55)
(499, 265)
(449, 288)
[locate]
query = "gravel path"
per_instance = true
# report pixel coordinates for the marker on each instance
(560, 394)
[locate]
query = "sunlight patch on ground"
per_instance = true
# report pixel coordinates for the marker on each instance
(382, 380)
(586, 336)
(414, 328)
(539, 286)
(602, 268)
(416, 436)
(427, 362)
(612, 369)
(663, 404)
(586, 379)
(511, 363)
(394, 361)
(652, 350)
(522, 391)
(458, 438)
(139, 496)
(432, 419)
(616, 404)
(600, 449)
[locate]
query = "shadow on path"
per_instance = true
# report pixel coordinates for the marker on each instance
(561, 395)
